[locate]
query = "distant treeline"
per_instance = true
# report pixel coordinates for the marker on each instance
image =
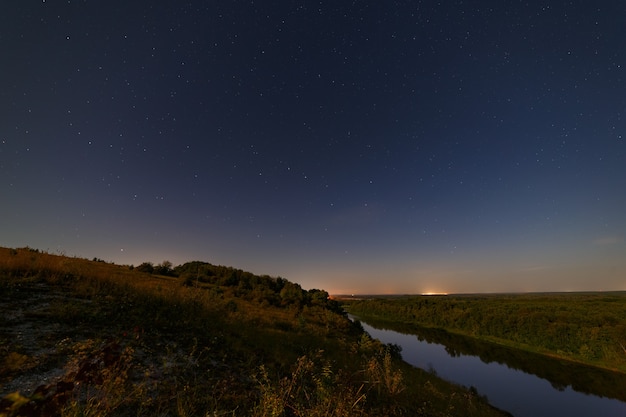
(586, 327)
(262, 288)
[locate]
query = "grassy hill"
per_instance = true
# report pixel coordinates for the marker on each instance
(89, 338)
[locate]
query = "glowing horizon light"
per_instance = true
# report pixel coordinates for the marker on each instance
(434, 293)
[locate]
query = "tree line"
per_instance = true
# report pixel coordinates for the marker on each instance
(586, 327)
(274, 291)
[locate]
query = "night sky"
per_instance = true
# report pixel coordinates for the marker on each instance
(352, 146)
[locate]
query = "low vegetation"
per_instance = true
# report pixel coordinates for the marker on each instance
(584, 327)
(89, 338)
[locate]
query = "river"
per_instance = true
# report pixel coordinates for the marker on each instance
(523, 384)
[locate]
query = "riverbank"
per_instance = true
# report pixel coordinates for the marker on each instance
(586, 328)
(523, 384)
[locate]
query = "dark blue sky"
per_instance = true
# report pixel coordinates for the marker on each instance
(350, 146)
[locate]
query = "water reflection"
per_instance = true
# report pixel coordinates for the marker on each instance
(522, 383)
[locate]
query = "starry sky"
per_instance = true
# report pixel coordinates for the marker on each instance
(352, 146)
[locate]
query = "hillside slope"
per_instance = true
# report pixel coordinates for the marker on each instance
(83, 337)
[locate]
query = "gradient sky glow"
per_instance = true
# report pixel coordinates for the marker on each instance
(357, 147)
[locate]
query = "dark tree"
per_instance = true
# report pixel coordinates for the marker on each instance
(146, 267)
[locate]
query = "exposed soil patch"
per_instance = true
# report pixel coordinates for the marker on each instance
(35, 346)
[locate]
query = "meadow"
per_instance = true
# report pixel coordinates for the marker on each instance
(88, 338)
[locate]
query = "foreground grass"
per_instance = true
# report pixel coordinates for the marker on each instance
(129, 343)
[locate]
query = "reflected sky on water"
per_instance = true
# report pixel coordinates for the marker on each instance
(519, 393)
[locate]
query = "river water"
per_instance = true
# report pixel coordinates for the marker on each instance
(523, 384)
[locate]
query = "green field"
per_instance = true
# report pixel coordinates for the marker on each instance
(89, 338)
(584, 327)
